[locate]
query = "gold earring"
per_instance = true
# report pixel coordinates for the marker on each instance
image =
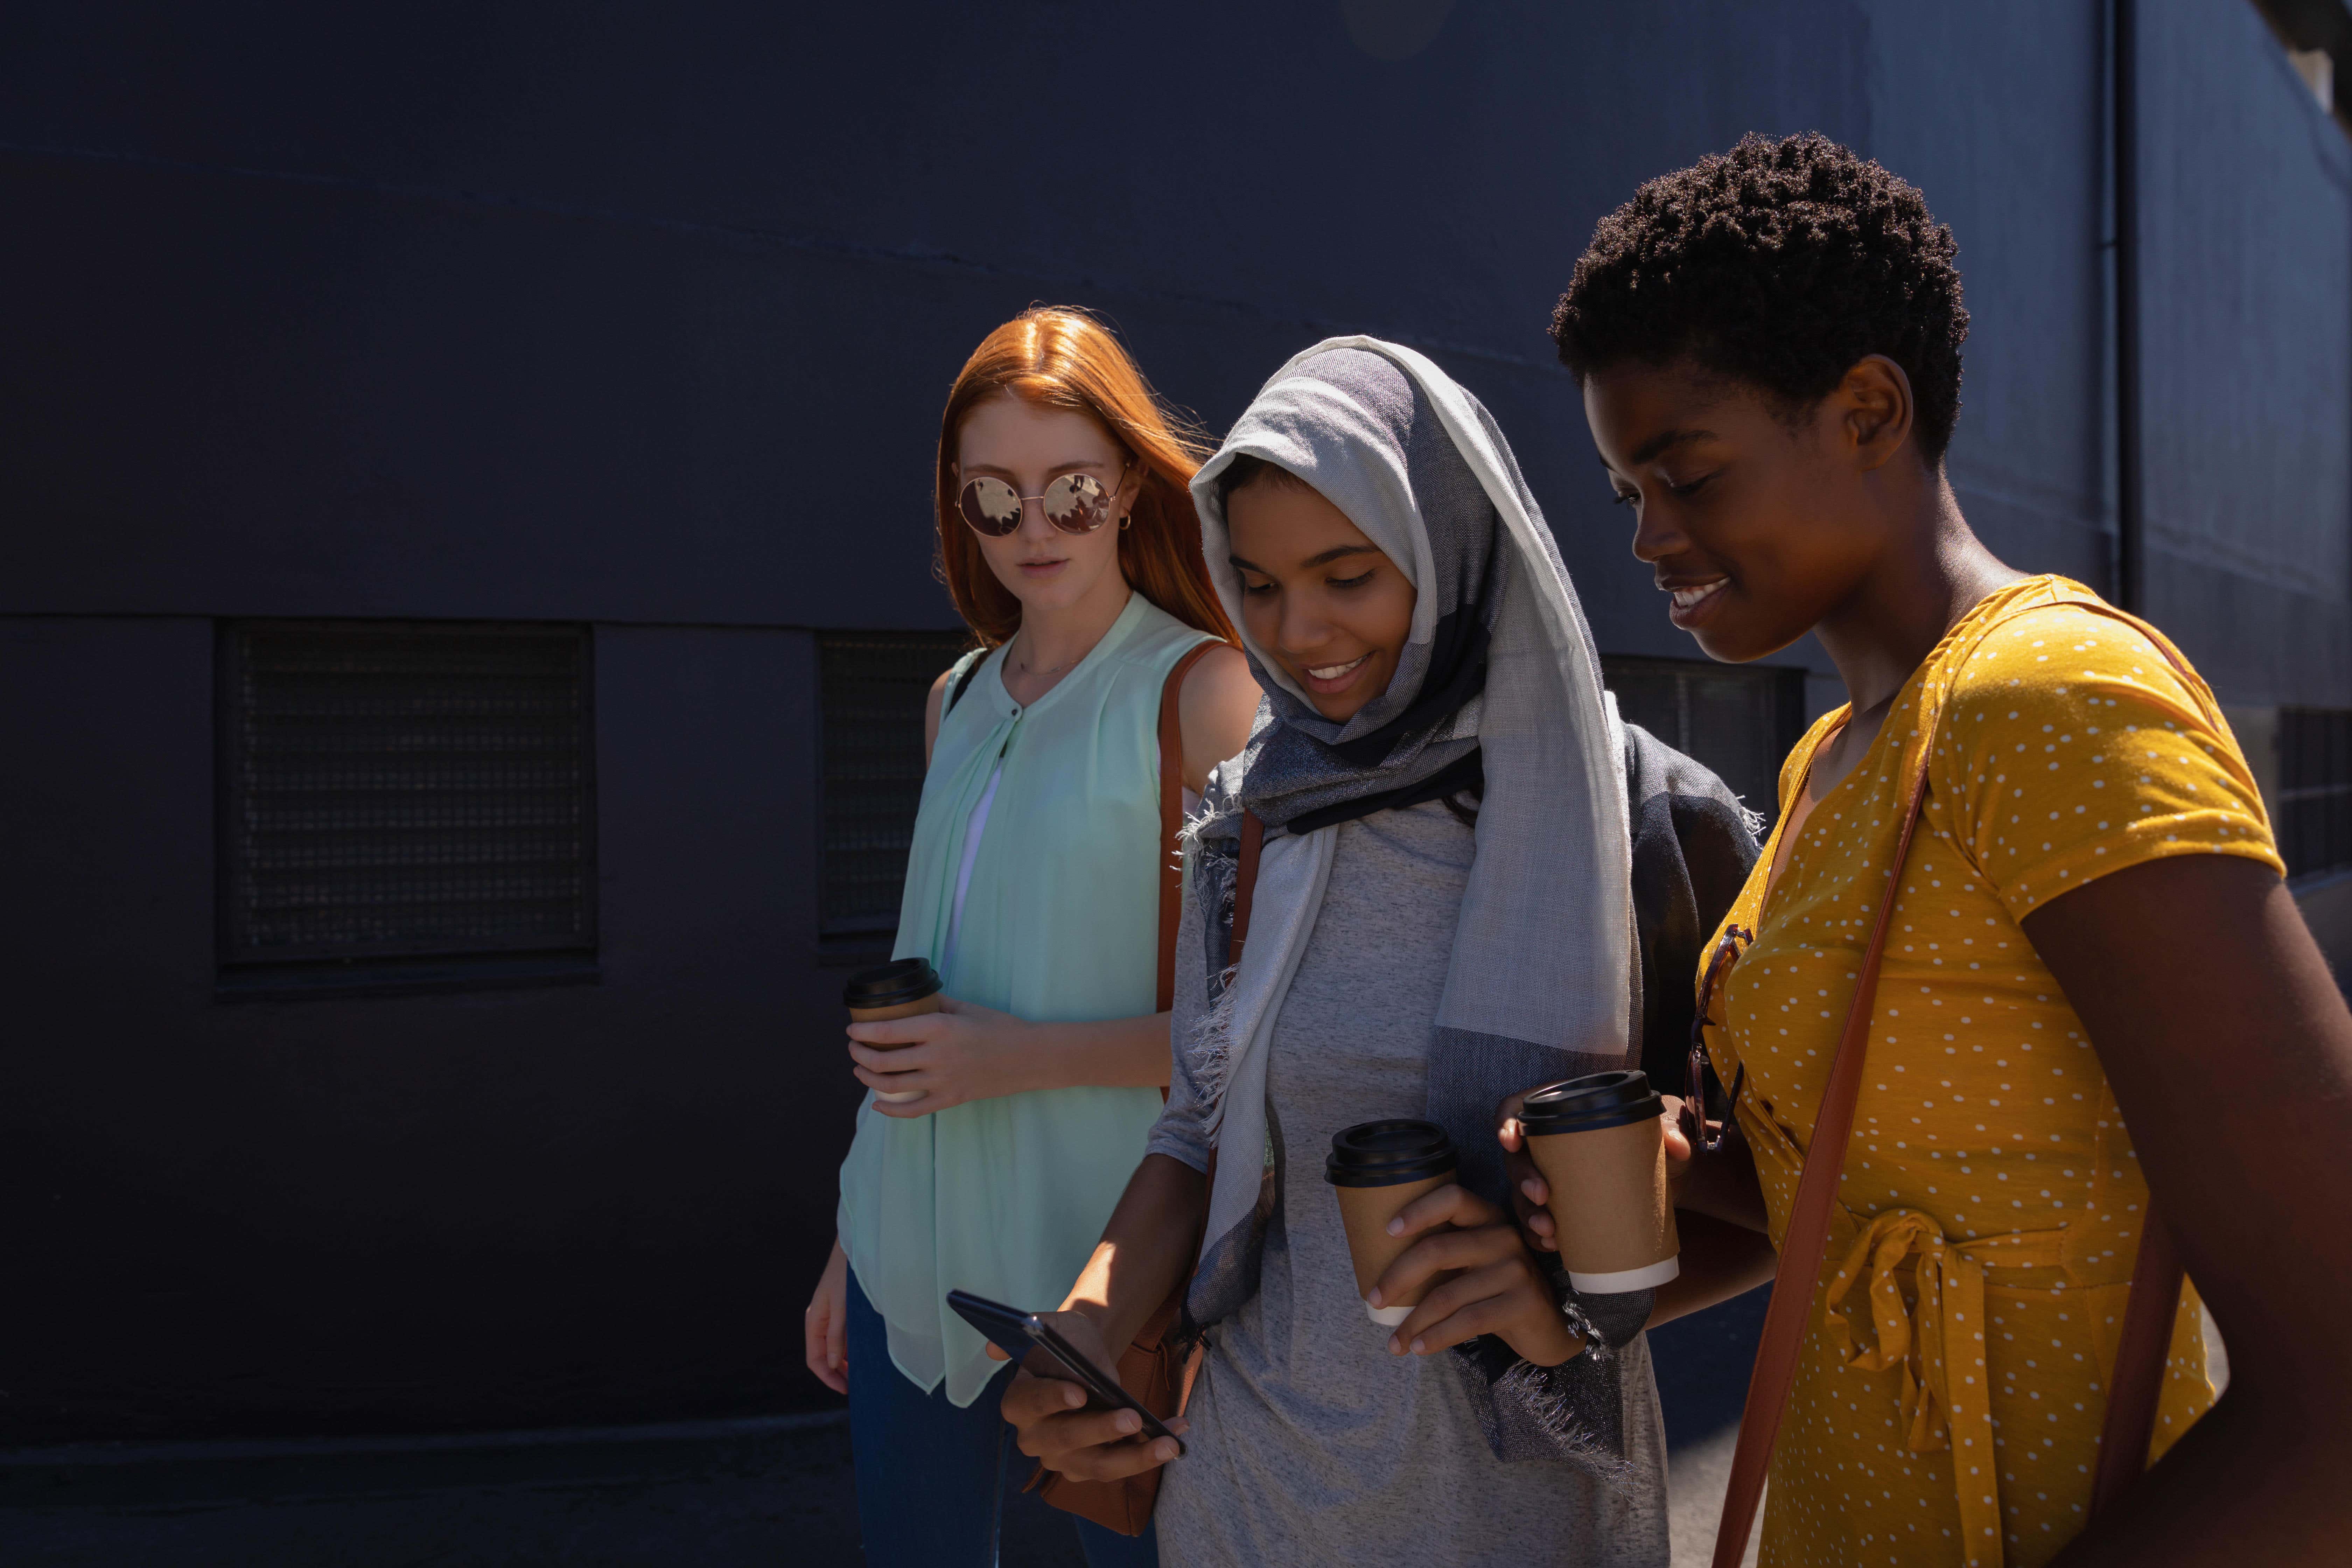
(1124, 522)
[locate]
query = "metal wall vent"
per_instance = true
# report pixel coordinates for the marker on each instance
(2314, 816)
(874, 687)
(396, 792)
(1739, 720)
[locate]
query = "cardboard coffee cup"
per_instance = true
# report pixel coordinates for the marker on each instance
(1601, 1148)
(898, 989)
(1377, 1168)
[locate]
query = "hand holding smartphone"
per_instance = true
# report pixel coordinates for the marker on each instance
(1018, 1333)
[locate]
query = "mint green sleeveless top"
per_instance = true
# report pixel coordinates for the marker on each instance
(1007, 1198)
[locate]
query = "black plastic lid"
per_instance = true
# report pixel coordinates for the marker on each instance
(1589, 1104)
(891, 984)
(1388, 1153)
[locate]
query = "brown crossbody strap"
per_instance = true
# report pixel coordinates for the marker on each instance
(1807, 1240)
(2141, 1350)
(1157, 1368)
(1245, 885)
(2133, 1387)
(1172, 819)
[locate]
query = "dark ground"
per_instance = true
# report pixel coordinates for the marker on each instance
(714, 1495)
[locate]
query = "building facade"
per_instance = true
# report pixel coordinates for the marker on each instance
(466, 584)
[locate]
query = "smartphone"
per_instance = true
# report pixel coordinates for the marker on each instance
(1016, 1333)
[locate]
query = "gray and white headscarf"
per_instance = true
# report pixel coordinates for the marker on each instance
(1356, 428)
(1499, 679)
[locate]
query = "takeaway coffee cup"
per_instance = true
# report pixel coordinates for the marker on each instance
(1377, 1168)
(1600, 1147)
(898, 989)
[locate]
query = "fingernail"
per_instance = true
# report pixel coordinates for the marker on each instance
(1416, 1347)
(1072, 1397)
(1163, 1450)
(1128, 1421)
(1396, 1225)
(1395, 1348)
(1528, 1186)
(1372, 1297)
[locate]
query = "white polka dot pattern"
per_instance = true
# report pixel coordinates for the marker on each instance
(1947, 1405)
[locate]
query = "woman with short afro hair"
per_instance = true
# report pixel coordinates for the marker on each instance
(2096, 999)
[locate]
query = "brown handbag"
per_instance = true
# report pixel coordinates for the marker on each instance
(1158, 1367)
(2141, 1349)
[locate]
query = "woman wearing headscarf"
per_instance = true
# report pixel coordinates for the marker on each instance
(1443, 914)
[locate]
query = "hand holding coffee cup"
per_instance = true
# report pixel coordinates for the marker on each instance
(1468, 1272)
(1530, 1193)
(898, 989)
(1600, 1143)
(1376, 1168)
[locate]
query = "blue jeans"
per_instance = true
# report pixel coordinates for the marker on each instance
(931, 1479)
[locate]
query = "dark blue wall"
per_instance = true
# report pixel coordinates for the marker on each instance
(2247, 234)
(642, 316)
(488, 1208)
(631, 314)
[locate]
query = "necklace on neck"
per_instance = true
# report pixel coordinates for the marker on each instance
(1028, 668)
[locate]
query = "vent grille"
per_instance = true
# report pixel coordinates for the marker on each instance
(406, 791)
(1739, 722)
(875, 688)
(2314, 815)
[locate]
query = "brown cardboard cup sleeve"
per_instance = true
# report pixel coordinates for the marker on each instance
(1601, 1146)
(1376, 1168)
(898, 989)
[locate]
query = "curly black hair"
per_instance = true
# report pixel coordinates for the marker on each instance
(1778, 264)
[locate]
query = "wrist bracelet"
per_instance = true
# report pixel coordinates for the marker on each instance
(1581, 1327)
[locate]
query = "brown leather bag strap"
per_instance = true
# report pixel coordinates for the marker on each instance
(1171, 818)
(2142, 1348)
(1806, 1241)
(2137, 1384)
(1160, 1366)
(1245, 884)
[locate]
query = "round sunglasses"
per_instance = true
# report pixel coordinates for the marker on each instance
(1075, 503)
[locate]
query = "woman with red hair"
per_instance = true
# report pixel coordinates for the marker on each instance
(1007, 1123)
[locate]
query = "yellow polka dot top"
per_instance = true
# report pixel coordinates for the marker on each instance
(1949, 1397)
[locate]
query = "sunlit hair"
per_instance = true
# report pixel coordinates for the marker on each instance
(1057, 357)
